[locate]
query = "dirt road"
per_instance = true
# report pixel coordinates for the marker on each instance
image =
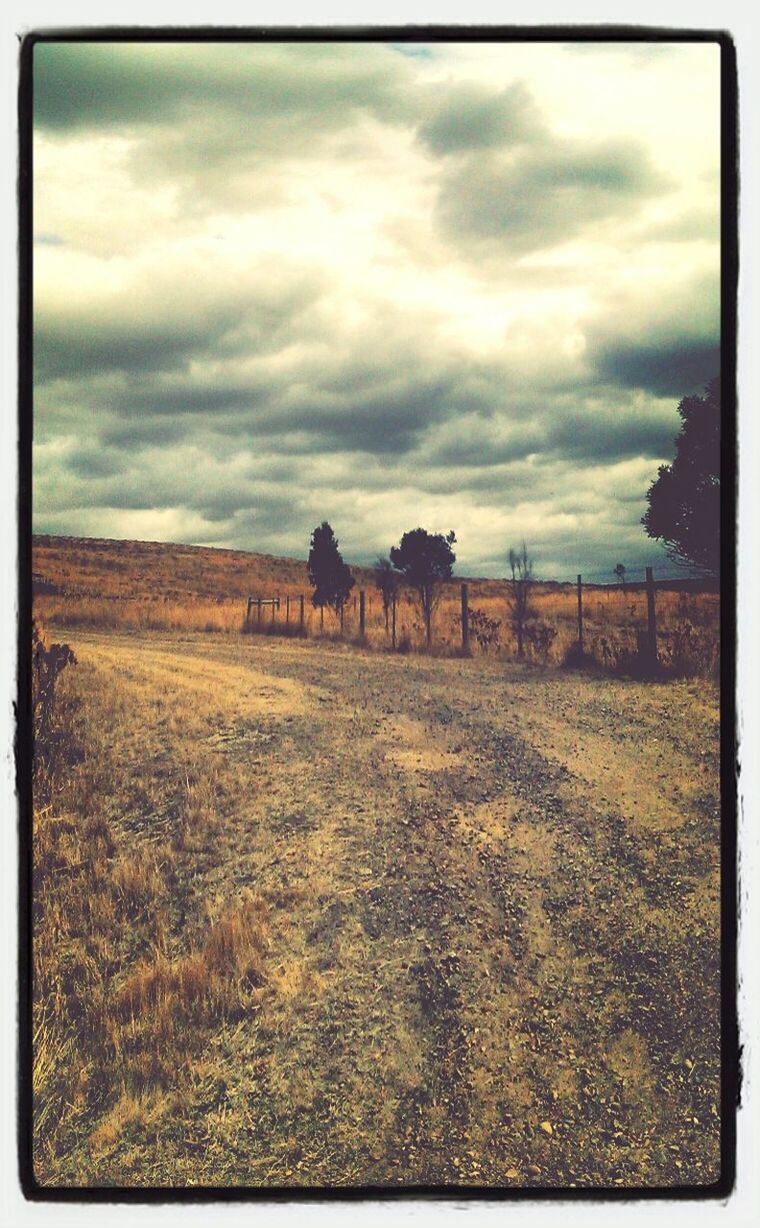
(494, 902)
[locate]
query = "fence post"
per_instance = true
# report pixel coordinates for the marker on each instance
(301, 620)
(274, 602)
(651, 620)
(361, 613)
(258, 611)
(393, 621)
(465, 620)
(580, 615)
(287, 610)
(248, 612)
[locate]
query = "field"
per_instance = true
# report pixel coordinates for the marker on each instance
(311, 913)
(151, 586)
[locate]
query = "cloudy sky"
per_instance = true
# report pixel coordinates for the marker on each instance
(456, 285)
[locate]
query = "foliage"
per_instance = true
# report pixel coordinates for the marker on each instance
(484, 629)
(328, 574)
(684, 499)
(539, 636)
(386, 582)
(426, 561)
(521, 569)
(48, 662)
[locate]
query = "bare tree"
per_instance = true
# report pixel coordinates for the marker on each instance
(521, 568)
(620, 573)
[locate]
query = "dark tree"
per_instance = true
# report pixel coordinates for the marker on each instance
(386, 582)
(684, 499)
(425, 560)
(521, 569)
(620, 573)
(329, 575)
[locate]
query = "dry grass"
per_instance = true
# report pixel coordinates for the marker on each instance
(132, 970)
(147, 586)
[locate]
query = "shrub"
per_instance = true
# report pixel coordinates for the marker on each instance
(539, 637)
(484, 629)
(47, 663)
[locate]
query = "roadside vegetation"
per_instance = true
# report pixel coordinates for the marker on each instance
(133, 967)
(151, 587)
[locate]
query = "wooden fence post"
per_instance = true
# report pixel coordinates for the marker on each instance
(361, 613)
(301, 619)
(580, 615)
(248, 612)
(651, 620)
(465, 620)
(258, 611)
(393, 620)
(287, 610)
(274, 603)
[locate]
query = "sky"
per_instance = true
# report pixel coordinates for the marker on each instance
(462, 286)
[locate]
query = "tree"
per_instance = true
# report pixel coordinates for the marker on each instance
(329, 575)
(684, 499)
(521, 568)
(425, 560)
(386, 582)
(620, 573)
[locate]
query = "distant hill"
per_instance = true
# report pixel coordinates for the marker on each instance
(98, 567)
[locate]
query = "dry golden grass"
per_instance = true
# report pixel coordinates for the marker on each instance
(150, 586)
(126, 991)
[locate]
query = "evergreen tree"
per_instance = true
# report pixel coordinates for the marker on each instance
(684, 499)
(328, 574)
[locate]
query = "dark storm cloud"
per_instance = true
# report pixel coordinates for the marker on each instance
(67, 346)
(548, 192)
(160, 326)
(90, 86)
(89, 462)
(666, 366)
(473, 117)
(669, 346)
(376, 409)
(581, 425)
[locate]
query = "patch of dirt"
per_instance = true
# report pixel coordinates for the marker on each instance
(413, 747)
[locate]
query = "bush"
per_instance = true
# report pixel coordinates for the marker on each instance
(48, 662)
(691, 652)
(539, 637)
(484, 629)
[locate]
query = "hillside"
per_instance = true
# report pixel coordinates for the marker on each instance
(99, 567)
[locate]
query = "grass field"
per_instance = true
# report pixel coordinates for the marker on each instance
(151, 586)
(307, 913)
